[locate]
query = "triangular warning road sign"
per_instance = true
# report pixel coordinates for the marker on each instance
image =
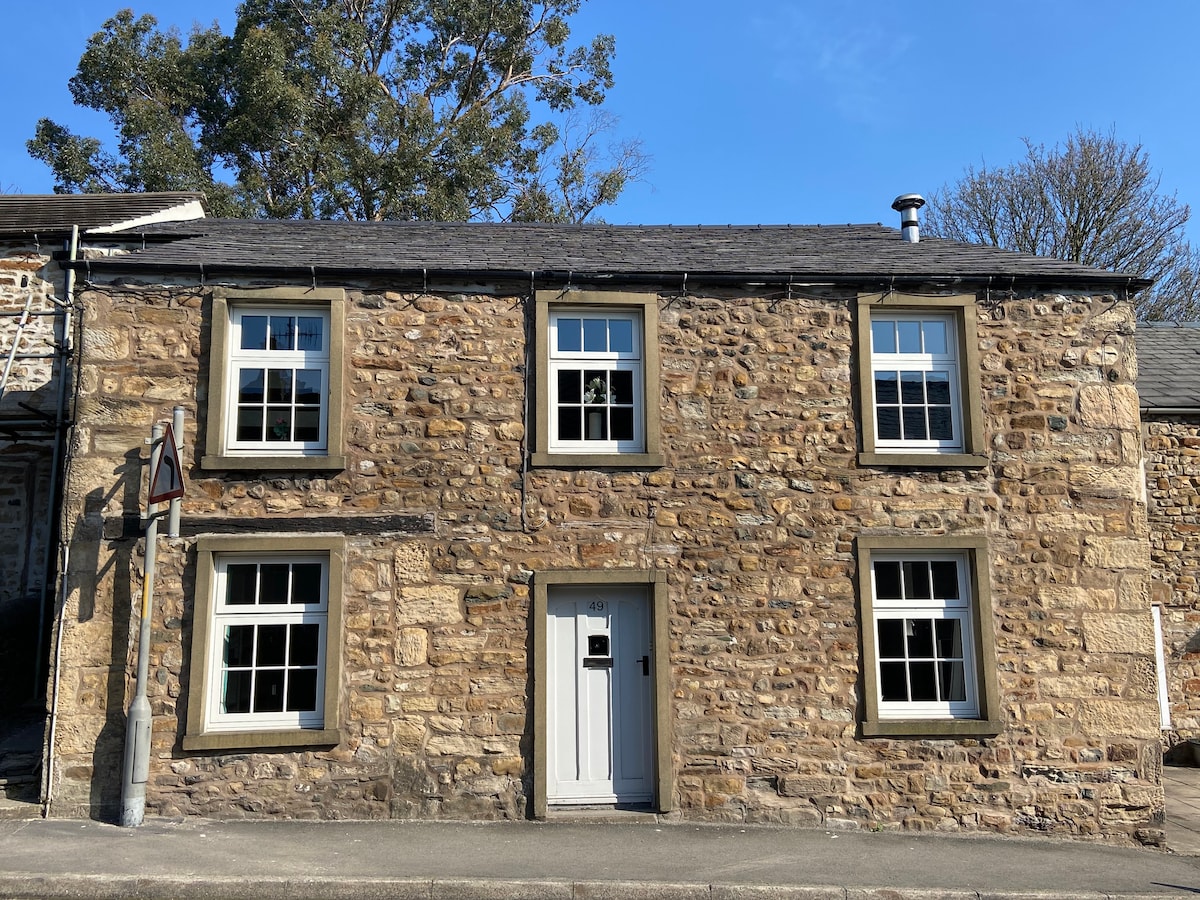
(166, 482)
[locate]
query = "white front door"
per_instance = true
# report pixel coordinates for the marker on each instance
(598, 697)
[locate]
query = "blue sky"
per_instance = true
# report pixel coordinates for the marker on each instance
(774, 111)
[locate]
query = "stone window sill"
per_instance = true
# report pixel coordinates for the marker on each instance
(924, 460)
(244, 740)
(598, 460)
(932, 728)
(274, 463)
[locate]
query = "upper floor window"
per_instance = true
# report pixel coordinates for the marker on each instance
(915, 373)
(279, 368)
(596, 375)
(275, 379)
(596, 382)
(919, 373)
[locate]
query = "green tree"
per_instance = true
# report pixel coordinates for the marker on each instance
(356, 109)
(1093, 200)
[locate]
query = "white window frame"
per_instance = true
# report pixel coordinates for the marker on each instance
(610, 361)
(239, 359)
(225, 615)
(948, 363)
(959, 609)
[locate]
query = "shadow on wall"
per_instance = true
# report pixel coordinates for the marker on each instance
(90, 533)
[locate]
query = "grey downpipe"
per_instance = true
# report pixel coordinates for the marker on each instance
(59, 463)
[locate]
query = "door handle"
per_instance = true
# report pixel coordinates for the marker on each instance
(645, 661)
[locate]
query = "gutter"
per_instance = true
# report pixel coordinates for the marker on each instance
(796, 279)
(1170, 410)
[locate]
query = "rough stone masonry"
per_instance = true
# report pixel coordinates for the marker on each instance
(753, 520)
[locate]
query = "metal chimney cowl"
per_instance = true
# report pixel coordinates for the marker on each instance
(907, 205)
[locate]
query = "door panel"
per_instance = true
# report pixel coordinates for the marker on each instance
(598, 695)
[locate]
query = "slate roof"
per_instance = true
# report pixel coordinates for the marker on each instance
(806, 252)
(56, 213)
(1168, 366)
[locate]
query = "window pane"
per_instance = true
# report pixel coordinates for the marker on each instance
(309, 333)
(893, 681)
(886, 388)
(910, 336)
(941, 426)
(935, 336)
(937, 387)
(308, 425)
(272, 645)
(914, 423)
(891, 638)
(280, 418)
(912, 387)
(887, 580)
(282, 328)
(239, 646)
(308, 386)
(235, 696)
(268, 691)
(922, 680)
(596, 422)
(920, 637)
(621, 419)
(949, 638)
(274, 583)
(279, 386)
(954, 681)
(306, 583)
(254, 332)
(620, 335)
(916, 580)
(303, 650)
(570, 383)
(595, 335)
(945, 579)
(250, 385)
(570, 423)
(883, 337)
(302, 691)
(621, 383)
(239, 583)
(887, 421)
(249, 424)
(568, 335)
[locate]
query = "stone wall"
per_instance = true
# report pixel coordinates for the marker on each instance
(753, 519)
(1173, 488)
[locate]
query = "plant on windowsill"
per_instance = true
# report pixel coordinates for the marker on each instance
(595, 391)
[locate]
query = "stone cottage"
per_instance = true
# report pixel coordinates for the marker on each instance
(39, 237)
(1169, 390)
(793, 525)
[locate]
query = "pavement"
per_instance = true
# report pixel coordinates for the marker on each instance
(562, 860)
(1182, 787)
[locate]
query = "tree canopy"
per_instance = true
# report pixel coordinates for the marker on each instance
(355, 109)
(1093, 200)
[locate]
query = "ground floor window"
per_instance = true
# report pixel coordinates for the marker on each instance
(928, 652)
(267, 641)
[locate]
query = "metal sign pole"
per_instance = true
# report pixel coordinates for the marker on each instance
(136, 771)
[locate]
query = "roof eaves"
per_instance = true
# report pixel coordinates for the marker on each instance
(1099, 278)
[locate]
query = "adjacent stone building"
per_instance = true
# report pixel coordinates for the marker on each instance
(768, 525)
(39, 346)
(1169, 388)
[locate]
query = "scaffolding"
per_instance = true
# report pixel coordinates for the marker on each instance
(43, 332)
